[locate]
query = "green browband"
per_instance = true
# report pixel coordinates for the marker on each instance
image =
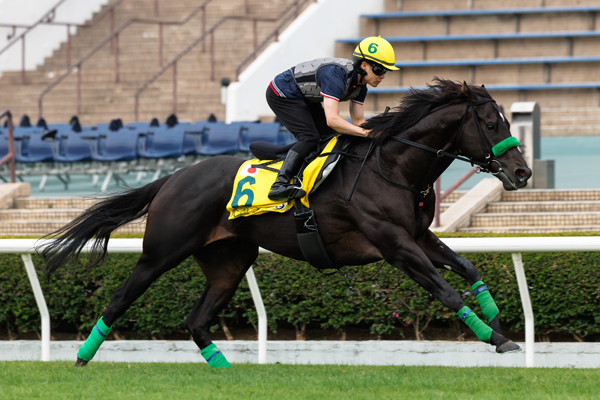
(505, 145)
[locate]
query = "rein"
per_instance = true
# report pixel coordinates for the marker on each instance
(497, 150)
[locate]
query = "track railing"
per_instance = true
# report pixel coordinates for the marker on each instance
(48, 19)
(284, 17)
(113, 39)
(514, 245)
(10, 156)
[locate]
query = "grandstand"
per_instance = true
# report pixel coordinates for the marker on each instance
(530, 50)
(172, 57)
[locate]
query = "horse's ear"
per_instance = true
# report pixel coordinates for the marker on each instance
(466, 90)
(483, 86)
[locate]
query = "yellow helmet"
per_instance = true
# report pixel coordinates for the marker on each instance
(376, 49)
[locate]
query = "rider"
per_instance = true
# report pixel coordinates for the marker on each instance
(295, 96)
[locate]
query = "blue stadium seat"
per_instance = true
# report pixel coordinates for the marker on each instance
(116, 146)
(72, 146)
(193, 137)
(286, 137)
(266, 132)
(219, 138)
(34, 147)
(165, 142)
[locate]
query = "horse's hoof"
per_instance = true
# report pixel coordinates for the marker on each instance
(508, 347)
(80, 362)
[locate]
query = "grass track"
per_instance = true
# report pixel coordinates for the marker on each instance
(60, 380)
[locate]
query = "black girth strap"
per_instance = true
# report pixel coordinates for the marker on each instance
(309, 239)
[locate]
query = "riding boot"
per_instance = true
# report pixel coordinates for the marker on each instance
(282, 189)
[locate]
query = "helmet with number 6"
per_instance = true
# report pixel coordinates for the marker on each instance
(376, 49)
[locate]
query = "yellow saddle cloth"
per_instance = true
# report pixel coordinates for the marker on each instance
(253, 182)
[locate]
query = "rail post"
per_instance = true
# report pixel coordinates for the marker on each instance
(10, 157)
(68, 45)
(41, 303)
(175, 88)
(527, 309)
(23, 60)
(79, 89)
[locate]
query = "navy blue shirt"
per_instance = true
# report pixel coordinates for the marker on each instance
(330, 78)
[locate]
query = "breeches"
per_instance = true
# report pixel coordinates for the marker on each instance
(306, 121)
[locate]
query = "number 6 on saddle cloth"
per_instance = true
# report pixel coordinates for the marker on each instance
(254, 179)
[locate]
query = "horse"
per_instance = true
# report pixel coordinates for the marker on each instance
(387, 218)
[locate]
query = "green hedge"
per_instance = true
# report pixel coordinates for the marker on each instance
(564, 289)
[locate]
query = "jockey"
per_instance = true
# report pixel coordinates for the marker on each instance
(295, 97)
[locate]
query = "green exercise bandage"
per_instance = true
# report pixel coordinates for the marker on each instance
(214, 357)
(94, 341)
(505, 145)
(482, 331)
(488, 305)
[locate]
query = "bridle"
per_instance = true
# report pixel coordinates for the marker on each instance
(485, 166)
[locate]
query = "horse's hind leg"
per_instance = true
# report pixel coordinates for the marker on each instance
(150, 266)
(443, 257)
(224, 263)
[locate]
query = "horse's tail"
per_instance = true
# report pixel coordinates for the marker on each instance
(97, 223)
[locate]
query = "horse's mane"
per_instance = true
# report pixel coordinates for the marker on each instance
(416, 106)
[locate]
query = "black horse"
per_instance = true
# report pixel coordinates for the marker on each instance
(387, 218)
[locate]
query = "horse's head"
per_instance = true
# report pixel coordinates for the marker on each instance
(485, 136)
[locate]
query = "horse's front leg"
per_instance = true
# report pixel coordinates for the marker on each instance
(410, 258)
(443, 256)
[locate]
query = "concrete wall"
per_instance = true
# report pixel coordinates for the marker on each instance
(382, 352)
(44, 39)
(310, 36)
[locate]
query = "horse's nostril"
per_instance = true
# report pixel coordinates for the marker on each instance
(522, 174)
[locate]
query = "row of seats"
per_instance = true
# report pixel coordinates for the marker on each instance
(117, 142)
(114, 148)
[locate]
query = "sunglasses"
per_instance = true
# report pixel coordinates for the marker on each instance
(378, 69)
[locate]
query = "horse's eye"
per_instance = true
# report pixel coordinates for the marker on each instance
(491, 127)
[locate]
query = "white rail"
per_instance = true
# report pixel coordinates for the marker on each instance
(515, 245)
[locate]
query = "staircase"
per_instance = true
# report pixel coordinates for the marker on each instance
(103, 99)
(41, 216)
(540, 211)
(565, 112)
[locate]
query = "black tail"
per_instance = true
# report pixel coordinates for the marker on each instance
(97, 223)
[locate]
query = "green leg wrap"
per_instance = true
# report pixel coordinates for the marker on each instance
(94, 341)
(214, 357)
(482, 331)
(488, 305)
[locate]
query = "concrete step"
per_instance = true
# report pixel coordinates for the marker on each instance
(543, 206)
(536, 219)
(44, 227)
(39, 203)
(552, 195)
(63, 215)
(531, 229)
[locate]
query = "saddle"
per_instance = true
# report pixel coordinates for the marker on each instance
(254, 180)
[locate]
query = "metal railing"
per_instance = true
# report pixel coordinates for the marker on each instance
(274, 34)
(296, 5)
(113, 39)
(48, 19)
(10, 156)
(439, 197)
